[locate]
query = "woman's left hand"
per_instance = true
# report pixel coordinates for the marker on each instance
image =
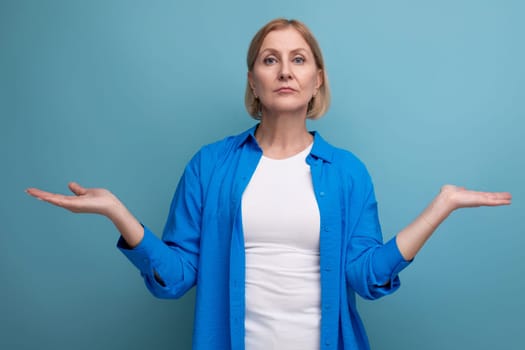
(459, 197)
(411, 238)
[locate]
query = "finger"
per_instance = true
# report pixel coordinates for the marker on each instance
(67, 202)
(496, 203)
(39, 194)
(53, 198)
(505, 195)
(495, 198)
(497, 195)
(77, 189)
(491, 194)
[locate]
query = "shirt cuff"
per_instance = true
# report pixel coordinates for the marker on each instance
(391, 262)
(143, 254)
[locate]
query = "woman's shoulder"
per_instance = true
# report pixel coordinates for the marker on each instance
(218, 150)
(349, 169)
(338, 156)
(221, 146)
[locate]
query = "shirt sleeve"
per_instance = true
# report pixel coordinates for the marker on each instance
(372, 266)
(169, 265)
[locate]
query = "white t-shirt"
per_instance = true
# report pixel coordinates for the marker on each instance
(281, 230)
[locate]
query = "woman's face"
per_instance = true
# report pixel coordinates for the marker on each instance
(285, 75)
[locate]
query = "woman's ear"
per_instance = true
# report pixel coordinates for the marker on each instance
(319, 79)
(250, 80)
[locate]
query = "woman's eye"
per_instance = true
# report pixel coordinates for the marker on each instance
(298, 60)
(269, 60)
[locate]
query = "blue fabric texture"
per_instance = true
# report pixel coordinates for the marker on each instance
(203, 243)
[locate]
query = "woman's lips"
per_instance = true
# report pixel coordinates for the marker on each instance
(285, 90)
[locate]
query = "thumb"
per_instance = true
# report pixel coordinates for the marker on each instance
(77, 189)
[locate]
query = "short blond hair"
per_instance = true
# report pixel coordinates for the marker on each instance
(319, 104)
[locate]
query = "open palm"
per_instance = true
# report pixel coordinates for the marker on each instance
(460, 197)
(84, 200)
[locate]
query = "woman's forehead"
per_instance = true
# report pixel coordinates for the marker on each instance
(285, 39)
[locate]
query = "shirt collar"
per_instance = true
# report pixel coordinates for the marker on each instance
(320, 149)
(247, 136)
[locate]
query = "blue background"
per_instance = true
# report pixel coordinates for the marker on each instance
(120, 94)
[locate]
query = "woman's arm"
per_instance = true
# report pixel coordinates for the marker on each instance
(413, 237)
(373, 268)
(96, 201)
(168, 266)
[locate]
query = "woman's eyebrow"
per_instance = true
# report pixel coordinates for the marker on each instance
(272, 50)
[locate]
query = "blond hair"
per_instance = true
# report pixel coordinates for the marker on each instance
(319, 104)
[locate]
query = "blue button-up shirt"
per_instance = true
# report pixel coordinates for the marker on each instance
(203, 243)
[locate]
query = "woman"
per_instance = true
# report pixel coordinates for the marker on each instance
(277, 228)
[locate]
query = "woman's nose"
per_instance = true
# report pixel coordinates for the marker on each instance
(285, 76)
(285, 73)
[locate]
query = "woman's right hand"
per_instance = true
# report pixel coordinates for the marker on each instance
(96, 201)
(86, 200)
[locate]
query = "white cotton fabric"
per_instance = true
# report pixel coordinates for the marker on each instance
(281, 230)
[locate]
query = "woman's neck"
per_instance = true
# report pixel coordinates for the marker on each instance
(283, 136)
